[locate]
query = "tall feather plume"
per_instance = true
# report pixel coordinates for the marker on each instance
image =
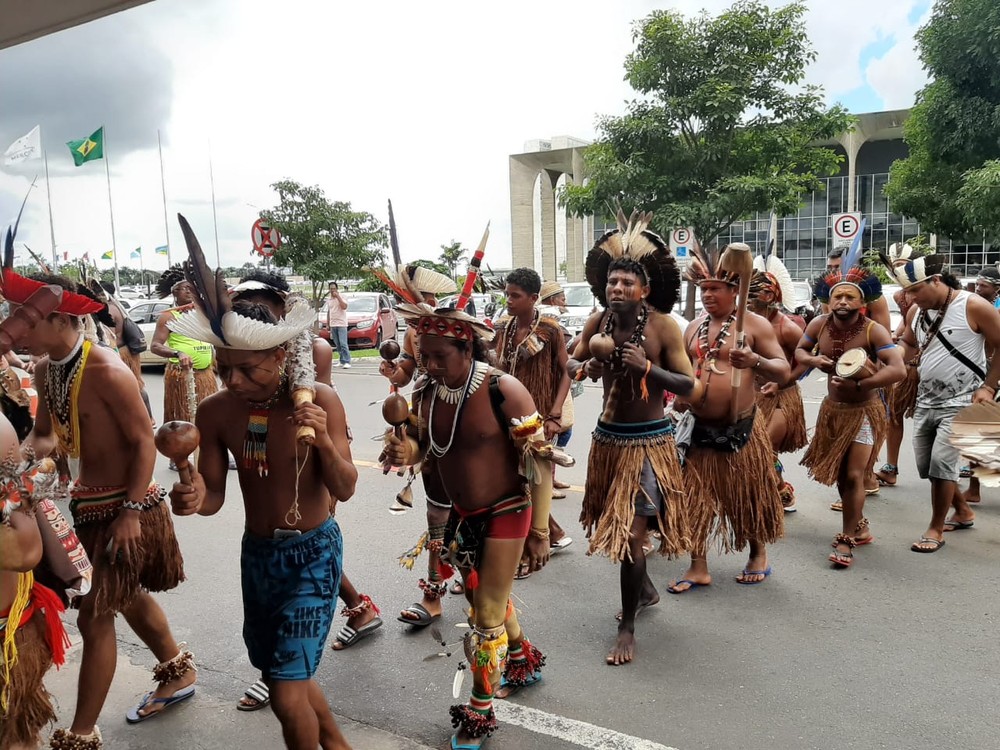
(758, 263)
(405, 294)
(397, 261)
(853, 255)
(39, 260)
(11, 233)
(776, 268)
(211, 294)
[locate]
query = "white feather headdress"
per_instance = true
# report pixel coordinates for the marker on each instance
(780, 281)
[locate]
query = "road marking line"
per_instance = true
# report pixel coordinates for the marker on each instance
(570, 730)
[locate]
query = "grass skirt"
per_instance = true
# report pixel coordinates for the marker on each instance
(133, 363)
(734, 496)
(903, 396)
(30, 704)
(789, 401)
(836, 427)
(613, 480)
(160, 566)
(175, 392)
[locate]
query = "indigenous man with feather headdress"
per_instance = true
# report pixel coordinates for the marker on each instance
(947, 333)
(470, 422)
(729, 466)
(771, 292)
(852, 419)
(635, 348)
(189, 377)
(90, 408)
(292, 548)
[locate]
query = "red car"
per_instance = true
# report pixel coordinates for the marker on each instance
(370, 320)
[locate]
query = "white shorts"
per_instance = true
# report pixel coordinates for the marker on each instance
(865, 435)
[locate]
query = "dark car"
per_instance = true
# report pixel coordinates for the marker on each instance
(370, 320)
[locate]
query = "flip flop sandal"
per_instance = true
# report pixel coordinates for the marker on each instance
(560, 486)
(258, 692)
(533, 679)
(766, 572)
(523, 571)
(457, 588)
(837, 507)
(348, 636)
(672, 588)
(456, 746)
(842, 559)
(560, 545)
(132, 716)
(872, 491)
(558, 495)
(423, 619)
(958, 525)
(938, 544)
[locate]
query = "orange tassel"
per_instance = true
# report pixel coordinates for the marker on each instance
(643, 386)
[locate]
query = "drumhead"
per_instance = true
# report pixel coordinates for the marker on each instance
(851, 362)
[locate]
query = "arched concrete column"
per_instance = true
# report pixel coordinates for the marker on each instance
(522, 220)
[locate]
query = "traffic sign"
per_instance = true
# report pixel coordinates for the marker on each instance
(266, 239)
(681, 242)
(845, 228)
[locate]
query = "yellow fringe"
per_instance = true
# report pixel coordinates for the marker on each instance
(21, 601)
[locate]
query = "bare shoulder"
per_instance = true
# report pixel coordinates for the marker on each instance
(513, 390)
(664, 323)
(218, 404)
(327, 398)
(106, 366)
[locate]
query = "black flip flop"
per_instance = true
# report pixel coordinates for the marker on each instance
(424, 618)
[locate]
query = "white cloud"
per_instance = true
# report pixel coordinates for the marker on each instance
(898, 74)
(421, 103)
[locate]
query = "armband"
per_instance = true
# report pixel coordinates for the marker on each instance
(886, 346)
(808, 338)
(129, 505)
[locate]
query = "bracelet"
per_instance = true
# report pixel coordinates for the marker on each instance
(128, 505)
(554, 418)
(759, 358)
(539, 533)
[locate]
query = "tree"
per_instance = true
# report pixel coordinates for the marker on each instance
(451, 255)
(323, 240)
(722, 129)
(950, 182)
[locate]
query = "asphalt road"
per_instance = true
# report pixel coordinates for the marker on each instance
(898, 652)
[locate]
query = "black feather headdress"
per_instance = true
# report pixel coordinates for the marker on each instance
(633, 240)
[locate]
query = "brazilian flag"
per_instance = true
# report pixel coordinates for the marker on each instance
(88, 149)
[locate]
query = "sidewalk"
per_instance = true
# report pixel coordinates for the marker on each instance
(206, 722)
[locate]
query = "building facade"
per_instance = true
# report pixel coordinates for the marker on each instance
(803, 240)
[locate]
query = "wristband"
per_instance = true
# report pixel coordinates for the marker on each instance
(759, 358)
(539, 533)
(128, 505)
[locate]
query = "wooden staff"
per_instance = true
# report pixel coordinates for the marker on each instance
(736, 259)
(177, 440)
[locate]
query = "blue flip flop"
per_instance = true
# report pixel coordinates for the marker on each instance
(746, 572)
(533, 679)
(132, 716)
(691, 586)
(456, 746)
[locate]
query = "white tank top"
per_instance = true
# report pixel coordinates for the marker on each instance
(944, 380)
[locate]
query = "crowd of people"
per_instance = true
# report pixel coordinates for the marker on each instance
(685, 456)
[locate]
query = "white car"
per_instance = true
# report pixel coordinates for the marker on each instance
(145, 314)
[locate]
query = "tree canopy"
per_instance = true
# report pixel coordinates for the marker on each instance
(451, 257)
(322, 239)
(723, 128)
(950, 182)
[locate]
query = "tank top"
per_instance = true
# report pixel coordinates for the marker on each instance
(944, 380)
(199, 352)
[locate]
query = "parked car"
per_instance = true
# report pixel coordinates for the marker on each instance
(485, 304)
(145, 314)
(370, 320)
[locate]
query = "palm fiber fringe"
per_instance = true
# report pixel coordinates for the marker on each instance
(160, 566)
(613, 481)
(175, 396)
(734, 497)
(30, 704)
(836, 427)
(133, 363)
(903, 396)
(789, 401)
(539, 374)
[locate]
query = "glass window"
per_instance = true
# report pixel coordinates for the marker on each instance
(361, 304)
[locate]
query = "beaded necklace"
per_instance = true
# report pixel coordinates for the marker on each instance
(255, 442)
(636, 338)
(509, 357)
(477, 374)
(930, 330)
(63, 379)
(840, 337)
(709, 353)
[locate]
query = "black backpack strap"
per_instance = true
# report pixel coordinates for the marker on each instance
(976, 369)
(497, 398)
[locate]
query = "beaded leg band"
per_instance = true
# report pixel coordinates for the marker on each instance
(845, 539)
(433, 591)
(63, 739)
(366, 603)
(524, 660)
(180, 665)
(475, 724)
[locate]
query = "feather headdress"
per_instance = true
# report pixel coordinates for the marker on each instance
(445, 322)
(213, 320)
(865, 282)
(704, 266)
(770, 275)
(920, 269)
(411, 282)
(633, 240)
(18, 289)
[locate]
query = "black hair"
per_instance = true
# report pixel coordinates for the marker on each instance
(479, 350)
(102, 316)
(837, 252)
(254, 311)
(267, 277)
(168, 279)
(108, 287)
(629, 265)
(950, 280)
(526, 278)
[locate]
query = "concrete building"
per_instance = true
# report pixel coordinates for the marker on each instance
(803, 240)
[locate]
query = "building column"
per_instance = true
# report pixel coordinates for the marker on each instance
(550, 264)
(522, 220)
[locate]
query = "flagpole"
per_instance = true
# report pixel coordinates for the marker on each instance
(163, 191)
(52, 231)
(215, 220)
(111, 210)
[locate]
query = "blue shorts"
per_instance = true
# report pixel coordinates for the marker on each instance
(562, 439)
(290, 591)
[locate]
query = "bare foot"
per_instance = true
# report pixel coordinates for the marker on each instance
(624, 648)
(971, 496)
(756, 570)
(433, 606)
(646, 600)
(357, 622)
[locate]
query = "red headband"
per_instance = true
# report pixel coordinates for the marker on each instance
(433, 325)
(18, 289)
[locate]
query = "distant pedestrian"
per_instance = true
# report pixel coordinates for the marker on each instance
(336, 322)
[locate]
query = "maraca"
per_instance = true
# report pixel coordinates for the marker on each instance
(602, 346)
(395, 410)
(177, 440)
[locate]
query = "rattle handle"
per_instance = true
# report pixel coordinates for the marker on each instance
(184, 470)
(305, 434)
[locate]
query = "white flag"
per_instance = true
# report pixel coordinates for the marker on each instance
(24, 148)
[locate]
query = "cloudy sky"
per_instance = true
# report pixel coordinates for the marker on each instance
(417, 102)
